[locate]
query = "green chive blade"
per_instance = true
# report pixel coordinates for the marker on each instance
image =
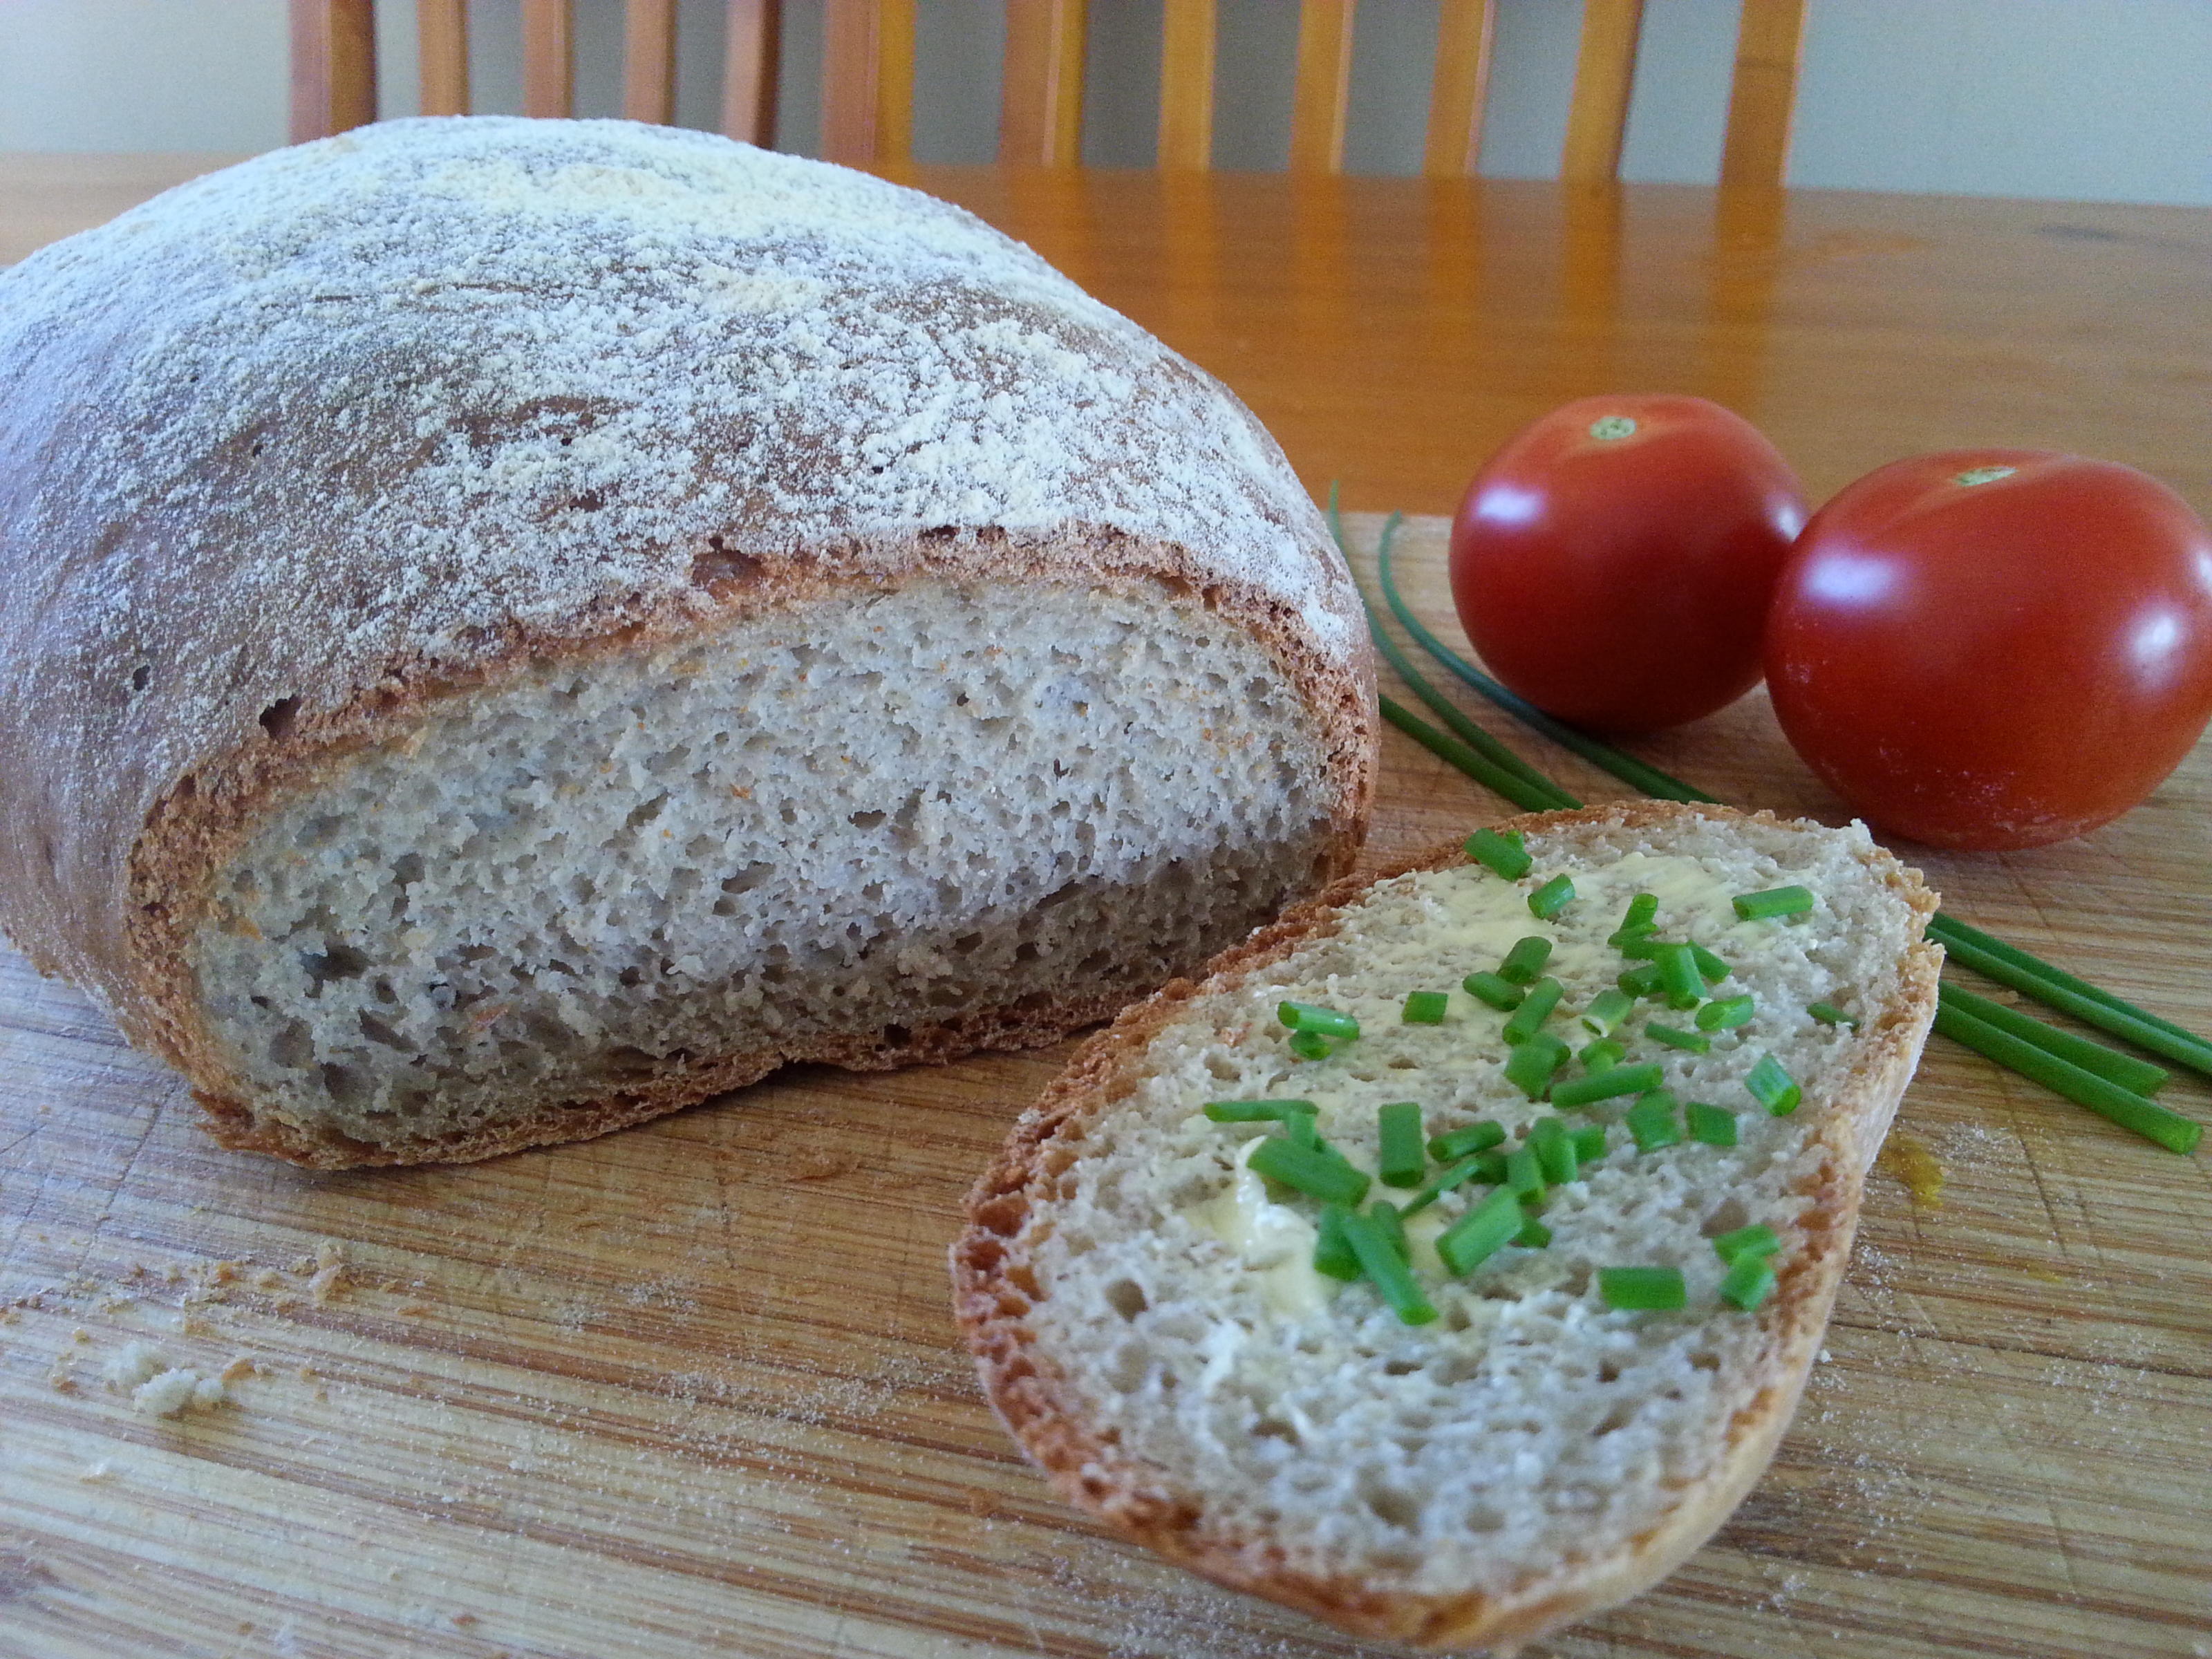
(1642, 1289)
(1711, 1126)
(1525, 960)
(1607, 1084)
(1495, 990)
(2138, 1076)
(1312, 1017)
(1476, 1236)
(1257, 1111)
(1772, 1086)
(1536, 1005)
(1652, 1122)
(1426, 1008)
(1693, 1042)
(1749, 1282)
(1757, 1239)
(1320, 1171)
(1372, 1242)
(1499, 852)
(1774, 901)
(2147, 1118)
(1726, 1013)
(1332, 1252)
(1403, 1160)
(1554, 896)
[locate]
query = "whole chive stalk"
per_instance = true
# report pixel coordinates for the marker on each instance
(1952, 932)
(1693, 1042)
(1772, 1087)
(1774, 901)
(1476, 1236)
(1450, 751)
(1312, 1017)
(1257, 1111)
(1536, 1006)
(1828, 1014)
(1602, 1056)
(1711, 968)
(1477, 1168)
(1456, 1144)
(1726, 1013)
(1403, 1159)
(1713, 1126)
(1655, 1289)
(1554, 1148)
(1758, 1239)
(1748, 1284)
(2123, 1021)
(1651, 1121)
(2129, 1111)
(1589, 1142)
(1322, 1172)
(1386, 1269)
(1311, 1045)
(1642, 981)
(1606, 1010)
(1680, 981)
(1529, 1066)
(1332, 1252)
(2137, 1076)
(1608, 1085)
(1499, 852)
(1495, 989)
(1424, 1007)
(1525, 960)
(1554, 896)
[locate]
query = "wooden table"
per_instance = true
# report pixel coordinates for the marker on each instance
(645, 1395)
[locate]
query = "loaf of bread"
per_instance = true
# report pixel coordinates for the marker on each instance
(1144, 1301)
(515, 627)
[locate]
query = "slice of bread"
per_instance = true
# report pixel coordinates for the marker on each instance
(1146, 1321)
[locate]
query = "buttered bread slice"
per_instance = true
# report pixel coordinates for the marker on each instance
(1449, 1261)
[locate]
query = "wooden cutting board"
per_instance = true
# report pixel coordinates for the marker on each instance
(694, 1389)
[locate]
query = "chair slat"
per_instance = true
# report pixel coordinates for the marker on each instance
(333, 66)
(649, 61)
(1768, 44)
(549, 57)
(441, 37)
(1605, 76)
(1186, 40)
(1041, 106)
(751, 52)
(867, 81)
(1323, 87)
(1464, 31)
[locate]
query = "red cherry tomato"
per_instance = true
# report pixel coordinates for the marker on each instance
(1995, 647)
(1613, 563)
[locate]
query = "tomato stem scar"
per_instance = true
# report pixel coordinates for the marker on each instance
(1612, 425)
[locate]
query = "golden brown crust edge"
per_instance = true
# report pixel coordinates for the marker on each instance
(993, 1289)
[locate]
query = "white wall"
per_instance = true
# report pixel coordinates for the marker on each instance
(2084, 99)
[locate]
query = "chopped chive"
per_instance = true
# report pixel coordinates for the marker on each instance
(1529, 1066)
(1554, 896)
(1459, 1175)
(1602, 1056)
(1499, 852)
(1642, 981)
(1641, 1288)
(1535, 1008)
(1475, 1237)
(1384, 1214)
(1678, 978)
(1773, 1087)
(1303, 1127)
(1714, 1126)
(1322, 1171)
(1333, 1253)
(1643, 945)
(1606, 1010)
(2129, 1111)
(1312, 1017)
(1554, 1148)
(1589, 1142)
(1525, 960)
(1642, 909)
(1402, 1160)
(1468, 1137)
(1774, 901)
(1607, 1084)
(1386, 1269)
(1495, 989)
(1426, 1008)
(2137, 1076)
(1726, 1013)
(1757, 1239)
(1828, 1014)
(1257, 1111)
(1534, 1235)
(1524, 1174)
(1651, 1121)
(1711, 968)
(1748, 1283)
(1490, 1166)
(1311, 1045)
(1694, 1042)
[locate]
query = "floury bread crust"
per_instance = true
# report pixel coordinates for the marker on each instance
(1531, 1457)
(308, 465)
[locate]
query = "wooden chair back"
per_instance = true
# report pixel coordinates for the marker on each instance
(867, 78)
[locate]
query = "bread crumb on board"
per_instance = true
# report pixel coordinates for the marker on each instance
(159, 1389)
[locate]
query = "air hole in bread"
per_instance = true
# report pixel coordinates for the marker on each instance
(1391, 1505)
(276, 719)
(1127, 1298)
(1725, 1218)
(140, 676)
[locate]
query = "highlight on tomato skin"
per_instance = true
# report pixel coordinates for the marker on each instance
(1993, 649)
(1613, 562)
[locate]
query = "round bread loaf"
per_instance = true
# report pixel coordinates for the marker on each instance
(515, 627)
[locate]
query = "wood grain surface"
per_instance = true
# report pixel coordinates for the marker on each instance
(693, 1389)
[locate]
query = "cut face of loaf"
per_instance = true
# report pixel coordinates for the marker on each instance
(1148, 1321)
(880, 827)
